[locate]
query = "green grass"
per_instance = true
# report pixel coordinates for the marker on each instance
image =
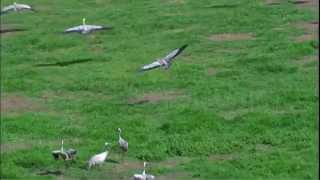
(255, 118)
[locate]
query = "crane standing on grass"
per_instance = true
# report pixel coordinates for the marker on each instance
(65, 155)
(122, 143)
(98, 159)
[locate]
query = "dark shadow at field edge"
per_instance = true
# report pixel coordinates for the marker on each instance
(48, 172)
(2, 31)
(64, 63)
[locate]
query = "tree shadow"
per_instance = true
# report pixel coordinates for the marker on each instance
(64, 63)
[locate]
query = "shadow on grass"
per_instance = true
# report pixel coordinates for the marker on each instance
(64, 63)
(2, 31)
(112, 161)
(48, 172)
(223, 6)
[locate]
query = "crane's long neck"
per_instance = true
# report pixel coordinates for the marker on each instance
(62, 146)
(15, 6)
(83, 21)
(144, 169)
(119, 134)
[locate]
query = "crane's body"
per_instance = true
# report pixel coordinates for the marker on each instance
(98, 159)
(85, 29)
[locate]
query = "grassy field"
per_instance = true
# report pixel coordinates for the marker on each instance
(239, 103)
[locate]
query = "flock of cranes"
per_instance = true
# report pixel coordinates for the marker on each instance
(99, 159)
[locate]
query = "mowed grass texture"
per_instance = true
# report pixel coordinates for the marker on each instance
(239, 103)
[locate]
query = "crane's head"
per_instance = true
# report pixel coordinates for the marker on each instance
(119, 130)
(106, 144)
(83, 21)
(144, 164)
(15, 3)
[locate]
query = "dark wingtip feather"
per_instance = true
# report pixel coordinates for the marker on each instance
(184, 46)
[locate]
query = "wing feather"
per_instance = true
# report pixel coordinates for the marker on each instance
(23, 6)
(174, 53)
(7, 8)
(153, 65)
(74, 29)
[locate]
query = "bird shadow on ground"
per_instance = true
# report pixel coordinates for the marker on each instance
(112, 161)
(64, 63)
(2, 31)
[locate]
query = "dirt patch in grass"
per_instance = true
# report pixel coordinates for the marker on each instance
(17, 103)
(173, 162)
(155, 97)
(232, 114)
(263, 147)
(311, 31)
(11, 147)
(307, 3)
(306, 37)
(174, 176)
(223, 157)
(272, 2)
(232, 37)
(211, 71)
(307, 60)
(178, 2)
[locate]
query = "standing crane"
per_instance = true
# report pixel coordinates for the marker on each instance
(98, 159)
(65, 155)
(122, 143)
(143, 176)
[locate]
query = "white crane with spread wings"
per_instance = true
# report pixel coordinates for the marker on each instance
(164, 62)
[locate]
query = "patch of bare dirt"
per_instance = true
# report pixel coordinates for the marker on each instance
(173, 162)
(307, 3)
(311, 31)
(263, 147)
(232, 114)
(156, 97)
(232, 37)
(174, 176)
(11, 147)
(211, 71)
(272, 2)
(223, 157)
(307, 60)
(178, 2)
(17, 103)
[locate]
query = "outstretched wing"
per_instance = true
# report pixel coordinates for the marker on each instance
(23, 6)
(95, 27)
(153, 65)
(174, 53)
(74, 29)
(7, 9)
